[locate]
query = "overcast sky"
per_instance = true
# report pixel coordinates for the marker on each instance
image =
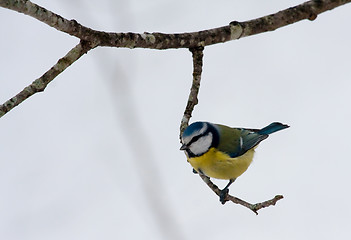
(96, 155)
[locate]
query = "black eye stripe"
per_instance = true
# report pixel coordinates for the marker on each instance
(194, 139)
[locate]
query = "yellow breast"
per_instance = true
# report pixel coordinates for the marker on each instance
(220, 165)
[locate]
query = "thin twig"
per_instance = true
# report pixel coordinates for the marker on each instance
(197, 54)
(41, 83)
(253, 207)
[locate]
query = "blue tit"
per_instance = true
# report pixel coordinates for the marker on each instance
(223, 152)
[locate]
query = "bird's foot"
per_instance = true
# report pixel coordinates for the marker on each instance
(223, 195)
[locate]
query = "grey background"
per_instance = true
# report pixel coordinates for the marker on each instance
(96, 156)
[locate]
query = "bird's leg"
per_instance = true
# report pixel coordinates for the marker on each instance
(224, 191)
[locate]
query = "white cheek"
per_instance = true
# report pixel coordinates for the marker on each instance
(201, 145)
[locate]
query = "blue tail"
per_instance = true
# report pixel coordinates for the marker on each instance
(271, 128)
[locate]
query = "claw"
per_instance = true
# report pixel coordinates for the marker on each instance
(223, 195)
(224, 192)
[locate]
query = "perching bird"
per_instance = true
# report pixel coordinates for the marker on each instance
(223, 152)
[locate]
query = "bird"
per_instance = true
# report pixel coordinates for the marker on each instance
(222, 152)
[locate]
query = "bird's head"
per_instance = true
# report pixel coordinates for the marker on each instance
(198, 138)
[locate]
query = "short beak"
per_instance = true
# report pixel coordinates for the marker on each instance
(183, 147)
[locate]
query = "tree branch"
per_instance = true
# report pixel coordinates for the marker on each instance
(197, 54)
(235, 30)
(40, 84)
(252, 207)
(194, 40)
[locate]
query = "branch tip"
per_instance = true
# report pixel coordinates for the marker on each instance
(41, 83)
(253, 207)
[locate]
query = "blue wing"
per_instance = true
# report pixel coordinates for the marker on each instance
(237, 141)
